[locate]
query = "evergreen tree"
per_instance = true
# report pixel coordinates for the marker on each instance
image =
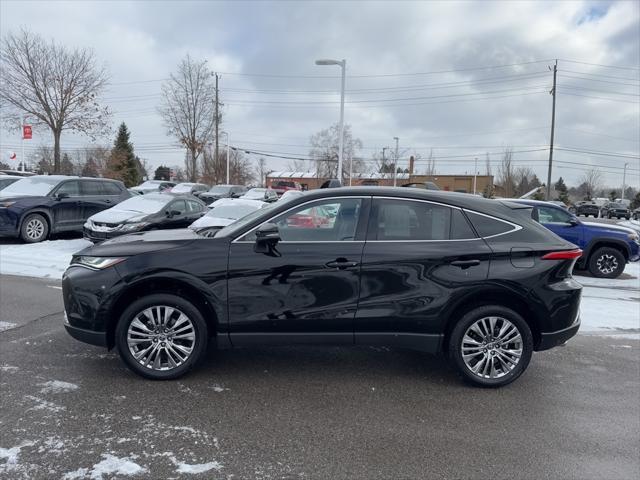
(562, 191)
(66, 167)
(162, 173)
(612, 195)
(90, 168)
(122, 162)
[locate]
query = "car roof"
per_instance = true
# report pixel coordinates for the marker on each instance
(237, 201)
(17, 177)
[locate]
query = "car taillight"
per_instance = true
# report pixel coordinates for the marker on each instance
(563, 255)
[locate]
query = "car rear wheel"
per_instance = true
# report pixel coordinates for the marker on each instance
(161, 337)
(491, 346)
(606, 262)
(34, 228)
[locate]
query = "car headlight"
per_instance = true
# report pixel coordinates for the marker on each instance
(132, 227)
(633, 236)
(95, 263)
(7, 204)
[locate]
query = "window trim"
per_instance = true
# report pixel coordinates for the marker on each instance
(251, 230)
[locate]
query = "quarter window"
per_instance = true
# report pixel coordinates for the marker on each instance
(487, 226)
(179, 206)
(194, 206)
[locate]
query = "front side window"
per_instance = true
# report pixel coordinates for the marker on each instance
(404, 220)
(552, 215)
(328, 220)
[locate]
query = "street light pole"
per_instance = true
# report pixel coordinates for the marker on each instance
(343, 65)
(395, 167)
(228, 142)
(624, 179)
(475, 175)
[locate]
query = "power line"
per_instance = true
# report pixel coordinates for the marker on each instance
(599, 81)
(601, 65)
(599, 75)
(599, 98)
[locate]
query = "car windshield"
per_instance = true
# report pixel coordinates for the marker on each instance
(616, 205)
(256, 193)
(231, 230)
(183, 188)
(32, 186)
(144, 204)
(232, 212)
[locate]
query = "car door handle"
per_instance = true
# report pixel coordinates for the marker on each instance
(463, 264)
(341, 263)
(107, 200)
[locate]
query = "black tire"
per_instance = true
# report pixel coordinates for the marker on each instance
(34, 228)
(199, 328)
(460, 329)
(609, 215)
(606, 262)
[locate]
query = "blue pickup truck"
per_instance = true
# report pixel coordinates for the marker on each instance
(606, 248)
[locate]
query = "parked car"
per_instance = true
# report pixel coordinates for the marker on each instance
(636, 214)
(6, 180)
(152, 211)
(281, 186)
(331, 183)
(16, 173)
(222, 191)
(615, 209)
(289, 194)
(135, 192)
(606, 248)
(439, 272)
(190, 188)
(585, 208)
(35, 207)
(151, 186)
(262, 194)
(226, 211)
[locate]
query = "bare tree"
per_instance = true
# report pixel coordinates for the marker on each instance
(189, 111)
(522, 180)
(431, 164)
(261, 171)
(592, 180)
(506, 173)
(324, 150)
(52, 86)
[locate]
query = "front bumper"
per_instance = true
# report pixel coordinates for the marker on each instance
(9, 223)
(87, 336)
(553, 339)
(97, 237)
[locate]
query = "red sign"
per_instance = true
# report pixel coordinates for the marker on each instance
(26, 132)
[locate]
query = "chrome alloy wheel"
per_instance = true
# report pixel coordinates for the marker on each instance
(607, 264)
(161, 337)
(34, 229)
(491, 347)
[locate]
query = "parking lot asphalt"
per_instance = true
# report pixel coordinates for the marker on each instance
(70, 409)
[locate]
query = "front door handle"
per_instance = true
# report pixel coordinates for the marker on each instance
(341, 263)
(463, 264)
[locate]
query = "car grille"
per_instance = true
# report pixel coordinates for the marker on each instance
(104, 227)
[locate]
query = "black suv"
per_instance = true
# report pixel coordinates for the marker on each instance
(222, 191)
(615, 209)
(35, 207)
(474, 278)
(585, 208)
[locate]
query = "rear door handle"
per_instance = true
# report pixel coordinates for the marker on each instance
(341, 264)
(463, 264)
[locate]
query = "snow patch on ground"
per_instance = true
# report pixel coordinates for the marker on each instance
(48, 259)
(10, 456)
(6, 326)
(8, 368)
(217, 388)
(110, 466)
(42, 404)
(611, 305)
(57, 386)
(196, 467)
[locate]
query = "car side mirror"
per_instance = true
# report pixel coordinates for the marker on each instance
(267, 237)
(574, 222)
(61, 195)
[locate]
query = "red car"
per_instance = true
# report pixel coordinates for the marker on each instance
(281, 186)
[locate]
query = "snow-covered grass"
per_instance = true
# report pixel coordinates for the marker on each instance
(48, 259)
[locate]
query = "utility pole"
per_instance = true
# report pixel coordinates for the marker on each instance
(624, 179)
(384, 165)
(395, 167)
(475, 175)
(217, 120)
(553, 126)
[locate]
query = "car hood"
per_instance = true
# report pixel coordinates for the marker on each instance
(116, 216)
(143, 242)
(608, 227)
(208, 221)
(17, 198)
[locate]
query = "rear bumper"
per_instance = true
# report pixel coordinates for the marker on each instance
(553, 339)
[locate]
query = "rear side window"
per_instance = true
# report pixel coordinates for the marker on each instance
(91, 188)
(110, 188)
(488, 226)
(194, 206)
(180, 206)
(402, 220)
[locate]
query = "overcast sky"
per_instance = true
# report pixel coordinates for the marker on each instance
(463, 78)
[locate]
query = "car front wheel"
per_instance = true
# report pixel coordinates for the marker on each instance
(491, 346)
(34, 228)
(606, 262)
(161, 337)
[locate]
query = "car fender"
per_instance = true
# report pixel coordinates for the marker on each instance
(595, 242)
(40, 210)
